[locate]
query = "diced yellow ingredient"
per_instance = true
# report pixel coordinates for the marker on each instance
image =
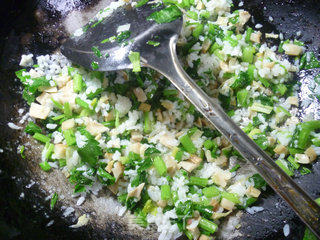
(271, 35)
(171, 165)
(117, 170)
(221, 160)
(293, 100)
(253, 192)
(292, 49)
(145, 107)
(311, 153)
(302, 158)
(188, 166)
(280, 149)
(48, 89)
(162, 203)
(82, 221)
(244, 16)
(114, 188)
(222, 21)
(136, 136)
(62, 80)
(221, 177)
(167, 104)
(140, 94)
(60, 151)
(109, 166)
(226, 204)
(255, 37)
(68, 124)
(39, 111)
(135, 147)
(44, 99)
(93, 127)
(205, 45)
(218, 215)
(205, 237)
(136, 192)
(200, 5)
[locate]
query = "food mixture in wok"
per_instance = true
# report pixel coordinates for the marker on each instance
(133, 133)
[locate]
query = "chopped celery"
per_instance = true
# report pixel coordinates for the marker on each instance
(45, 166)
(208, 144)
(243, 97)
(160, 165)
(165, 192)
(67, 110)
(134, 58)
(70, 137)
(283, 165)
(293, 162)
(258, 107)
(248, 34)
(207, 225)
(188, 144)
(77, 83)
(82, 103)
(197, 31)
(41, 138)
(231, 197)
(147, 127)
(202, 182)
(248, 54)
(210, 192)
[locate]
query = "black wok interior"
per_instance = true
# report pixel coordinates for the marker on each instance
(34, 26)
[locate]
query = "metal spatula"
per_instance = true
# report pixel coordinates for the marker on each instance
(114, 54)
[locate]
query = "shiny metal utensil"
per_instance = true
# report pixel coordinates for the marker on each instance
(163, 58)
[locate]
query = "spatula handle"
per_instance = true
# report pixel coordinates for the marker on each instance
(298, 199)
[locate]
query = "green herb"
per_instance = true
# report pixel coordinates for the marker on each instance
(96, 51)
(151, 151)
(166, 15)
(31, 90)
(188, 144)
(258, 181)
(94, 65)
(141, 3)
(160, 165)
(123, 36)
(153, 43)
(243, 97)
(103, 176)
(32, 128)
(22, 148)
(45, 166)
(91, 151)
(241, 81)
(141, 218)
(235, 168)
(308, 61)
(53, 200)
(134, 58)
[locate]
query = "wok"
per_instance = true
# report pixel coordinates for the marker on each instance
(40, 27)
